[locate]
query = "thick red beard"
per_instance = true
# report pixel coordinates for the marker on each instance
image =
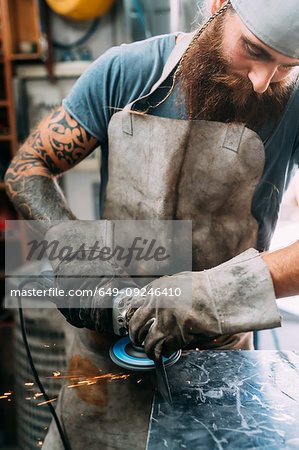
(210, 92)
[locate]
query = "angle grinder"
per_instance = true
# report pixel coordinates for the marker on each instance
(124, 353)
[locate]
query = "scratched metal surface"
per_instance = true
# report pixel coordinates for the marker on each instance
(229, 400)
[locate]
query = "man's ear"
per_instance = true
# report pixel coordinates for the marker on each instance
(217, 4)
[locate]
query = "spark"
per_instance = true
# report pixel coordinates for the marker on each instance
(3, 396)
(40, 443)
(9, 399)
(81, 380)
(189, 382)
(109, 377)
(27, 398)
(46, 346)
(29, 384)
(7, 393)
(139, 381)
(45, 428)
(48, 401)
(197, 349)
(38, 394)
(72, 377)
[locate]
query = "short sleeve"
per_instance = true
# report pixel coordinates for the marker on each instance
(116, 78)
(95, 93)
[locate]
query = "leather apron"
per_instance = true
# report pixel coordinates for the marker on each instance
(161, 168)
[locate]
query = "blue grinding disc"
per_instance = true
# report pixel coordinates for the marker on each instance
(125, 355)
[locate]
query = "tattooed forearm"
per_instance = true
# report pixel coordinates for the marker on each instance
(58, 144)
(41, 198)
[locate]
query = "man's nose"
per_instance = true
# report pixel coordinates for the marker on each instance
(261, 76)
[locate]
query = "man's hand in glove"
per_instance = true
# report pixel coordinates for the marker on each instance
(234, 297)
(85, 272)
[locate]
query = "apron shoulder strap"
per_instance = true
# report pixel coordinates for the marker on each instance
(171, 62)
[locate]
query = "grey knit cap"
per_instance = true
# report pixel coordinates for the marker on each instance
(274, 22)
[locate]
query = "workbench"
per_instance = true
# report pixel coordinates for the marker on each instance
(229, 400)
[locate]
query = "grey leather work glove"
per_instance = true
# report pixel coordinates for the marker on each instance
(85, 273)
(233, 297)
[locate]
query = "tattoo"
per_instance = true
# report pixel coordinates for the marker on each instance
(58, 144)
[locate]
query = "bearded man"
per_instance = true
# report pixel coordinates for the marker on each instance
(220, 107)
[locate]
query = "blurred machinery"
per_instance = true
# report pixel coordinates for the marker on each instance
(80, 9)
(46, 336)
(146, 19)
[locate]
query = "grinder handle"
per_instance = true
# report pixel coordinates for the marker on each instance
(120, 306)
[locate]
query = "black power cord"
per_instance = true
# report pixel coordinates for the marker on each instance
(63, 436)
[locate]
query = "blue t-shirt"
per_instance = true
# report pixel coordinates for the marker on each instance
(128, 72)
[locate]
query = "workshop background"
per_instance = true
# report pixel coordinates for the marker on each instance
(42, 53)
